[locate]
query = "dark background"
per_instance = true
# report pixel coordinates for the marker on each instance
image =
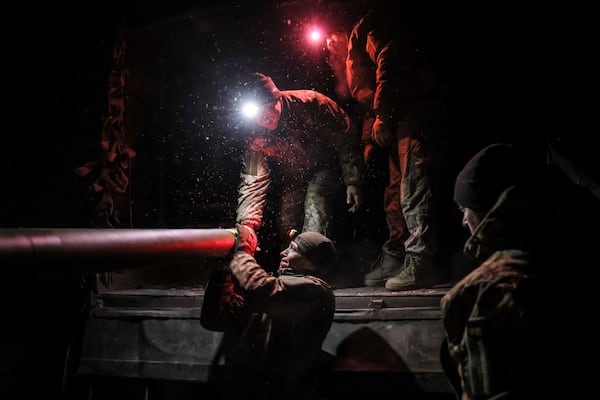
(523, 70)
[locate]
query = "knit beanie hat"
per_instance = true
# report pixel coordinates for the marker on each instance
(319, 249)
(485, 176)
(261, 88)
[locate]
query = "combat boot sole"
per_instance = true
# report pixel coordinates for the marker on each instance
(398, 286)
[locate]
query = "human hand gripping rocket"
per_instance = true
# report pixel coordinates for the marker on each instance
(246, 239)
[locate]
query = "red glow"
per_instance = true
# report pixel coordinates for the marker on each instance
(315, 35)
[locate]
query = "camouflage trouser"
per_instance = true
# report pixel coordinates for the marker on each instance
(410, 199)
(307, 206)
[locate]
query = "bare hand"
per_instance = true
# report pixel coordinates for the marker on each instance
(353, 198)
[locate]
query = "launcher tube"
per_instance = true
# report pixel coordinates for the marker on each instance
(97, 250)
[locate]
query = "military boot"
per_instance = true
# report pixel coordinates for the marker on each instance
(416, 273)
(388, 263)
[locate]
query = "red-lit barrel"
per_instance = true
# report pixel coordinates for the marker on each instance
(97, 250)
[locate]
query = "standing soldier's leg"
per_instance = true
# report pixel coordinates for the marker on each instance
(318, 204)
(391, 259)
(419, 205)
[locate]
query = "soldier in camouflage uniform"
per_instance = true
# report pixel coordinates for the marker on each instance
(311, 144)
(506, 332)
(391, 73)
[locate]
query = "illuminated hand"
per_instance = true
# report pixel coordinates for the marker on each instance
(353, 198)
(337, 43)
(247, 240)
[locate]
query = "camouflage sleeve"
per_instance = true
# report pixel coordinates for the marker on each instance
(360, 72)
(351, 159)
(252, 191)
(389, 101)
(378, 69)
(360, 76)
(346, 140)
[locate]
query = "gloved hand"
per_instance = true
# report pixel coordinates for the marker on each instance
(368, 153)
(383, 132)
(337, 44)
(246, 239)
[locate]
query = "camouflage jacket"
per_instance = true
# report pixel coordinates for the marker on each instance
(314, 133)
(505, 336)
(391, 72)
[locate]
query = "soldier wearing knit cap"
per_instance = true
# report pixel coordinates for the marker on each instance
(275, 324)
(318, 249)
(505, 332)
(488, 173)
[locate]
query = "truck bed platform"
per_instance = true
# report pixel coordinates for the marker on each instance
(378, 338)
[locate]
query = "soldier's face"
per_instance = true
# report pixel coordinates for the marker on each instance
(293, 259)
(268, 115)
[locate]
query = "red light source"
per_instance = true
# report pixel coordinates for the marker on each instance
(315, 35)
